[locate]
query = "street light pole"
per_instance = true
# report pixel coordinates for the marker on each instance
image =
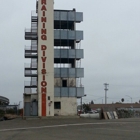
(106, 89)
(82, 103)
(19, 106)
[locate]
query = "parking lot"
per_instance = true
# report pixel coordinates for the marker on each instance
(70, 129)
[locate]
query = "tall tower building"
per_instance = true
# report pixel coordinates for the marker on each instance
(55, 54)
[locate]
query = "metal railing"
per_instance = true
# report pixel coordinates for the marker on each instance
(34, 42)
(30, 65)
(29, 54)
(30, 73)
(32, 47)
(30, 83)
(30, 90)
(34, 25)
(31, 30)
(33, 13)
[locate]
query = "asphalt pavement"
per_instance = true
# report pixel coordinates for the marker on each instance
(70, 129)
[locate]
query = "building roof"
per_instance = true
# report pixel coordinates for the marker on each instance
(123, 105)
(4, 100)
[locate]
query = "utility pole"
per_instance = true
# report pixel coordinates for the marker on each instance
(81, 104)
(106, 89)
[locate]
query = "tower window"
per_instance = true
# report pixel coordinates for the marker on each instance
(64, 83)
(57, 105)
(48, 97)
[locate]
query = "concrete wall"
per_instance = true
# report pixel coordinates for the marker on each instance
(27, 98)
(34, 97)
(124, 105)
(30, 97)
(68, 106)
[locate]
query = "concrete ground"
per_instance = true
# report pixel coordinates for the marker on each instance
(70, 129)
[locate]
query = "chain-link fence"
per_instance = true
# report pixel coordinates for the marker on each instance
(128, 112)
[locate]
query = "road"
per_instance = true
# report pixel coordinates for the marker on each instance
(70, 129)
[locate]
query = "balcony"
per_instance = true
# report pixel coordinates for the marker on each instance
(60, 15)
(28, 90)
(30, 55)
(30, 66)
(60, 92)
(34, 26)
(30, 73)
(68, 15)
(69, 53)
(31, 34)
(32, 48)
(34, 16)
(34, 42)
(67, 18)
(68, 35)
(68, 72)
(31, 84)
(31, 52)
(30, 87)
(69, 92)
(58, 72)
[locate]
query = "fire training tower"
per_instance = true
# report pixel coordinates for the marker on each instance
(55, 56)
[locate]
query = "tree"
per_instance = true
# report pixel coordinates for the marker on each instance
(122, 99)
(92, 102)
(86, 108)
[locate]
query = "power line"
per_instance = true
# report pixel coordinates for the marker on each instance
(93, 95)
(114, 97)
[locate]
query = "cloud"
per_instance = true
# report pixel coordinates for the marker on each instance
(111, 44)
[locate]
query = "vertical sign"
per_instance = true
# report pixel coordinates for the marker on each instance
(45, 57)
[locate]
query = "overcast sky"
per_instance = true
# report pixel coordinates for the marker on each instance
(111, 44)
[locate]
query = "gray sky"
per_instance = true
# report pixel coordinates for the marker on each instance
(111, 43)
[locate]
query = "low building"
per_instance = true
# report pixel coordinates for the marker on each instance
(4, 100)
(121, 105)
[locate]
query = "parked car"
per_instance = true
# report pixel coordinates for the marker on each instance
(93, 112)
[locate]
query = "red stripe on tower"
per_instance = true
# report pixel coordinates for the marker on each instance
(43, 57)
